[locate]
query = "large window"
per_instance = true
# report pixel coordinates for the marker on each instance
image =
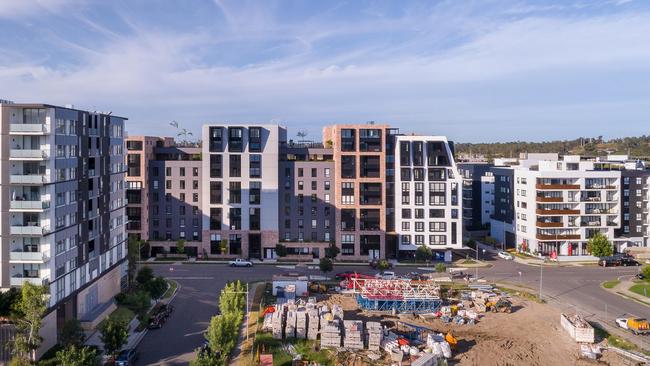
(215, 218)
(255, 166)
(216, 192)
(216, 139)
(255, 193)
(348, 166)
(235, 140)
(255, 139)
(234, 193)
(215, 166)
(235, 165)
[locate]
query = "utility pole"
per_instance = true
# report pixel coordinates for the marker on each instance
(541, 272)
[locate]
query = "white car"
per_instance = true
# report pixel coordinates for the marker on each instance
(387, 275)
(505, 255)
(240, 263)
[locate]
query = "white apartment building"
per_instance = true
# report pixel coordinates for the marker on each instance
(487, 198)
(62, 208)
(427, 190)
(240, 192)
(561, 203)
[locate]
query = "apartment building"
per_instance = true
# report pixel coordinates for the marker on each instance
(428, 186)
(361, 187)
(558, 204)
(240, 165)
(472, 175)
(76, 244)
(307, 211)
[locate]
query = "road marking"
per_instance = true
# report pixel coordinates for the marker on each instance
(190, 278)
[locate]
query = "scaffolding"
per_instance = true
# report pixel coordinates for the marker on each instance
(401, 296)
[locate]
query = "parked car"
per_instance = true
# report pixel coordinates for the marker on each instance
(629, 261)
(239, 262)
(386, 275)
(505, 255)
(610, 261)
(640, 276)
(126, 358)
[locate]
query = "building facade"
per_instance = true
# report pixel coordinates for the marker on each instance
(487, 198)
(240, 165)
(428, 186)
(62, 208)
(472, 175)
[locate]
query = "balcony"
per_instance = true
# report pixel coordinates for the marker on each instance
(29, 257)
(558, 212)
(28, 128)
(557, 186)
(590, 223)
(20, 281)
(32, 230)
(549, 199)
(16, 205)
(549, 224)
(28, 154)
(557, 237)
(36, 179)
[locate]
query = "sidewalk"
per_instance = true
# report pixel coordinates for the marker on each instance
(622, 289)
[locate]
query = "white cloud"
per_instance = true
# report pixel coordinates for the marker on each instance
(508, 75)
(22, 8)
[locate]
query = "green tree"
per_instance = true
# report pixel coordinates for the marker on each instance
(180, 246)
(77, 356)
(71, 333)
(325, 265)
(232, 298)
(156, 287)
(133, 255)
(224, 246)
(145, 275)
(383, 265)
(222, 334)
(332, 251)
(423, 253)
(280, 250)
(440, 268)
(29, 311)
(205, 359)
(599, 246)
(114, 335)
(646, 271)
(7, 301)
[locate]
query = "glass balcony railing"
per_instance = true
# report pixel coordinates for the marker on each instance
(28, 154)
(29, 128)
(29, 179)
(29, 205)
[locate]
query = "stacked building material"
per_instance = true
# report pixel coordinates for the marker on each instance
(353, 334)
(301, 323)
(290, 325)
(337, 312)
(313, 322)
(330, 333)
(277, 322)
(374, 335)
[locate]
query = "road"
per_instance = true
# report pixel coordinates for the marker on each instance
(196, 302)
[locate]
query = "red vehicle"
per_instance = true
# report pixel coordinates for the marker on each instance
(348, 282)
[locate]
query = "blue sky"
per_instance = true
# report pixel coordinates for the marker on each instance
(471, 70)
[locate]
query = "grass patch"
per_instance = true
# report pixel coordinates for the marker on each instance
(526, 295)
(121, 314)
(611, 284)
(613, 340)
(307, 348)
(469, 261)
(172, 287)
(641, 289)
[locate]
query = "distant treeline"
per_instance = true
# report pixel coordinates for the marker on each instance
(637, 147)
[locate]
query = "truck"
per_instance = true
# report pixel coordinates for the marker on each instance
(633, 324)
(239, 262)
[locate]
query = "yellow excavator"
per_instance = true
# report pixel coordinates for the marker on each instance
(317, 288)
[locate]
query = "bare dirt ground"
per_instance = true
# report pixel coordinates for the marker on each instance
(530, 335)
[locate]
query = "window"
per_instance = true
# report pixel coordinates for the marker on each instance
(195, 172)
(437, 226)
(255, 139)
(406, 213)
(215, 166)
(419, 226)
(327, 172)
(347, 193)
(235, 165)
(168, 171)
(406, 239)
(327, 185)
(301, 185)
(235, 192)
(406, 226)
(255, 166)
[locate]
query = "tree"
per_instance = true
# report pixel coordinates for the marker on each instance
(156, 287)
(423, 254)
(114, 335)
(205, 359)
(29, 309)
(222, 334)
(145, 275)
(332, 251)
(325, 265)
(77, 356)
(71, 333)
(180, 246)
(646, 271)
(280, 250)
(7, 301)
(599, 246)
(383, 265)
(232, 299)
(224, 246)
(440, 268)
(133, 255)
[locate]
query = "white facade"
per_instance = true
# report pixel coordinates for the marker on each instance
(427, 194)
(255, 178)
(487, 198)
(560, 204)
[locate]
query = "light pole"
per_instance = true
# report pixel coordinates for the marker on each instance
(541, 272)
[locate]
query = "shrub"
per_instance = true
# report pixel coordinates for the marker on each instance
(280, 250)
(325, 265)
(646, 271)
(423, 253)
(440, 268)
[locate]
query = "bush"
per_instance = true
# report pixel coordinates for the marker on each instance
(145, 275)
(423, 254)
(646, 271)
(138, 302)
(119, 298)
(325, 265)
(440, 268)
(383, 265)
(599, 246)
(280, 250)
(332, 251)
(156, 287)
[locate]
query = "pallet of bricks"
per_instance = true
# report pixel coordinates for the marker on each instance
(313, 322)
(290, 325)
(330, 329)
(353, 334)
(301, 323)
(374, 335)
(277, 321)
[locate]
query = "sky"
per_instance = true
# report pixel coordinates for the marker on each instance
(475, 71)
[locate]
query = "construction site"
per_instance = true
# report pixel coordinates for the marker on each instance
(364, 321)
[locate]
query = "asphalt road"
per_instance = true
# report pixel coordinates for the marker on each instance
(570, 288)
